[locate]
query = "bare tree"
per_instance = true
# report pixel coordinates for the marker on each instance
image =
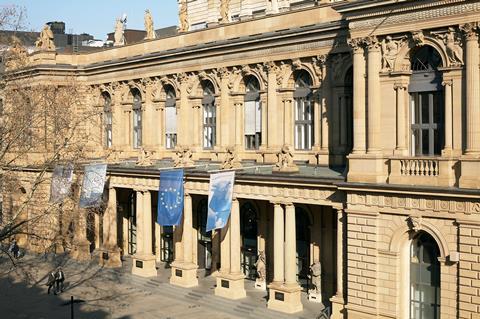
(43, 123)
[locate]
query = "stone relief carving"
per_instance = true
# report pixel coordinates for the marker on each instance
(453, 48)
(418, 38)
(356, 44)
(319, 63)
(149, 26)
(45, 40)
(231, 159)
(470, 30)
(285, 161)
(390, 48)
(183, 16)
(414, 223)
(17, 56)
(183, 157)
(144, 157)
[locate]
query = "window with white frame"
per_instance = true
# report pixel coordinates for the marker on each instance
(137, 119)
(209, 116)
(107, 120)
(253, 114)
(303, 106)
(170, 119)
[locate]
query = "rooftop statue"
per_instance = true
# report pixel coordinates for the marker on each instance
(149, 26)
(119, 37)
(45, 40)
(183, 16)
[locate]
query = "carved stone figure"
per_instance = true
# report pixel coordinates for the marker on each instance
(149, 26)
(285, 161)
(119, 36)
(231, 159)
(452, 46)
(414, 223)
(144, 158)
(183, 16)
(225, 10)
(183, 157)
(389, 52)
(17, 55)
(315, 276)
(261, 267)
(418, 38)
(45, 40)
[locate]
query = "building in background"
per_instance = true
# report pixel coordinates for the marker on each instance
(356, 123)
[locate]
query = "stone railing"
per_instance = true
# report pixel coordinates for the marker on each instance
(427, 171)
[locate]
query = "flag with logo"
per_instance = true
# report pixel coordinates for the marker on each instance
(93, 185)
(170, 198)
(219, 199)
(62, 178)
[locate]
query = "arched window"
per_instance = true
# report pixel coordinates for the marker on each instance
(424, 278)
(137, 118)
(170, 118)
(427, 105)
(107, 120)
(209, 115)
(303, 111)
(253, 114)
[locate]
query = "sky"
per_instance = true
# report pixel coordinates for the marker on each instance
(96, 17)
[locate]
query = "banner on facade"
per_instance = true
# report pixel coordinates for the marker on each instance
(93, 185)
(170, 198)
(60, 187)
(220, 199)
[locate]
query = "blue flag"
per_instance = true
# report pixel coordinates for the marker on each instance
(220, 199)
(93, 184)
(170, 197)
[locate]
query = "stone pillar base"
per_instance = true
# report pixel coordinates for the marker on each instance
(230, 286)
(338, 307)
(110, 257)
(184, 275)
(260, 285)
(285, 299)
(367, 168)
(81, 251)
(470, 168)
(144, 266)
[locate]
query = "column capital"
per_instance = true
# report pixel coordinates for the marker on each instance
(141, 190)
(357, 45)
(399, 86)
(448, 82)
(470, 31)
(372, 43)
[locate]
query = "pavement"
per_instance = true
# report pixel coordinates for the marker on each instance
(115, 293)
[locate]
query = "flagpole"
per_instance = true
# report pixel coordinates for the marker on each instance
(239, 169)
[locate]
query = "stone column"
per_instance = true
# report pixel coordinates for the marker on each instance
(184, 129)
(110, 256)
(338, 300)
(343, 120)
(197, 124)
(231, 285)
(324, 110)
(144, 259)
(374, 96)
(161, 139)
(317, 118)
(81, 246)
(359, 113)
(288, 119)
(273, 129)
(225, 249)
(238, 105)
(472, 92)
(184, 272)
(448, 148)
(285, 296)
(290, 247)
(264, 105)
(401, 143)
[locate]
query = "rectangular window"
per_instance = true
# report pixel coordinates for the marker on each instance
(427, 123)
(303, 123)
(253, 125)
(170, 127)
(209, 125)
(137, 128)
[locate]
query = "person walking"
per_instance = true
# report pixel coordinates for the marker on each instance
(59, 279)
(51, 282)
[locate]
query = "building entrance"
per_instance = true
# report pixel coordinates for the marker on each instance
(248, 229)
(204, 239)
(303, 246)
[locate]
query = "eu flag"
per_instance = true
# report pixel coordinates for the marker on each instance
(170, 198)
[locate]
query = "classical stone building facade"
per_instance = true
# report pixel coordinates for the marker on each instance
(356, 123)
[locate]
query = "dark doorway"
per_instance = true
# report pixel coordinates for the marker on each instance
(302, 223)
(248, 229)
(204, 239)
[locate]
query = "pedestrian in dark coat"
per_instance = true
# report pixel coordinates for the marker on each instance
(51, 282)
(59, 279)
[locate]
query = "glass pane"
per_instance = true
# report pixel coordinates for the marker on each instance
(418, 142)
(425, 143)
(425, 107)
